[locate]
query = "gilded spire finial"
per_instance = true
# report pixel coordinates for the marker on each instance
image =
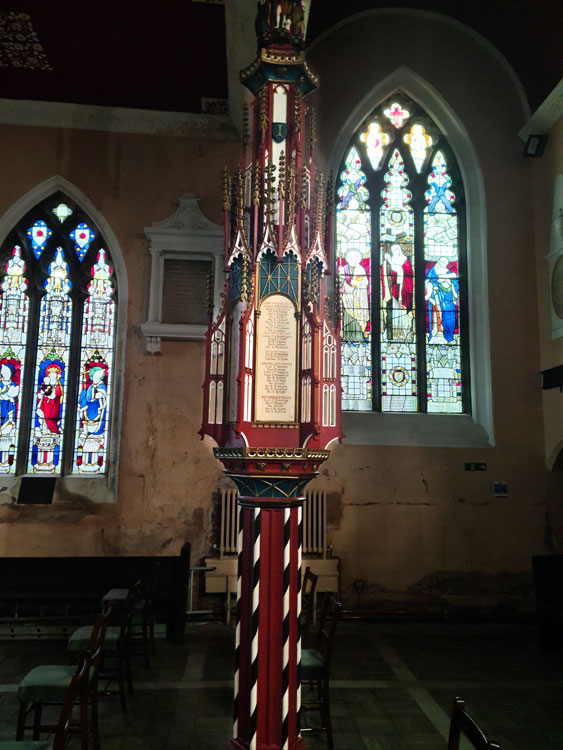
(245, 125)
(226, 190)
(244, 278)
(330, 193)
(281, 176)
(303, 188)
(297, 113)
(263, 111)
(209, 293)
(312, 128)
(256, 185)
(270, 180)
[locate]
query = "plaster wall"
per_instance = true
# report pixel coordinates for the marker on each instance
(545, 171)
(166, 474)
(404, 515)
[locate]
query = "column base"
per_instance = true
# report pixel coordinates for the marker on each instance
(297, 744)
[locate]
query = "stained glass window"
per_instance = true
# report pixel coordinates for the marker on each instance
(57, 341)
(401, 266)
(62, 212)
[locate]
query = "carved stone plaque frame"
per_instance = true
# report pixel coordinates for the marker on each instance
(186, 236)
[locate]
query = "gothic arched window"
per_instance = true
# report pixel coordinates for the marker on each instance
(400, 229)
(57, 341)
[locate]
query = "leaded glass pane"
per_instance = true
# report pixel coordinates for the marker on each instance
(53, 353)
(39, 233)
(376, 140)
(398, 335)
(96, 362)
(397, 114)
(419, 142)
(62, 212)
(353, 231)
(14, 305)
(443, 346)
(82, 236)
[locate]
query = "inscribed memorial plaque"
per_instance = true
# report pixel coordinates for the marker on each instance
(276, 361)
(184, 291)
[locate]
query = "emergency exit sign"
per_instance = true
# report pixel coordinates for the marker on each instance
(475, 467)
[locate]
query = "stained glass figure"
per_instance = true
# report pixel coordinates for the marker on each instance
(398, 338)
(39, 233)
(53, 351)
(397, 114)
(438, 196)
(375, 139)
(419, 141)
(353, 231)
(443, 346)
(82, 236)
(352, 192)
(96, 360)
(62, 212)
(14, 306)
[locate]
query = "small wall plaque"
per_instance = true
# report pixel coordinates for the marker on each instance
(186, 275)
(184, 291)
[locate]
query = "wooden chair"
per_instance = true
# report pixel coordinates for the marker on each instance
(461, 724)
(49, 684)
(315, 667)
(63, 726)
(116, 647)
(308, 601)
(143, 613)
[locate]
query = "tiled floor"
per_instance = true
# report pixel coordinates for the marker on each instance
(392, 688)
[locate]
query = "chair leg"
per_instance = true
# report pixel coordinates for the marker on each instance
(20, 727)
(83, 722)
(94, 719)
(37, 721)
(145, 635)
(121, 681)
(128, 673)
(325, 714)
(153, 642)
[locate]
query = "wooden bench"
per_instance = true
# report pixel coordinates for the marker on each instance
(72, 587)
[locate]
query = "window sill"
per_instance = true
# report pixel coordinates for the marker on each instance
(424, 430)
(69, 490)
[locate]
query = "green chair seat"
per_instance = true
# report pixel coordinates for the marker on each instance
(25, 745)
(312, 664)
(45, 684)
(79, 639)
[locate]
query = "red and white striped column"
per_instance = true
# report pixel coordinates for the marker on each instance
(268, 640)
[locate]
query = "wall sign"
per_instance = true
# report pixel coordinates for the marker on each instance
(276, 361)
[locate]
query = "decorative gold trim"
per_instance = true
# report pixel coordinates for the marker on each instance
(290, 454)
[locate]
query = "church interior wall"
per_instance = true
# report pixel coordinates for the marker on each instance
(166, 473)
(410, 519)
(408, 522)
(545, 172)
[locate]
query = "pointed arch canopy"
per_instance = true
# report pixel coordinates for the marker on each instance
(473, 429)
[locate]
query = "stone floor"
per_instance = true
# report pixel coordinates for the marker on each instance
(392, 687)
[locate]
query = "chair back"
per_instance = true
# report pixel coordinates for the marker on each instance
(461, 724)
(330, 614)
(308, 588)
(94, 648)
(147, 588)
(78, 683)
(126, 612)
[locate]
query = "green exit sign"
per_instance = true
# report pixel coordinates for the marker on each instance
(476, 467)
